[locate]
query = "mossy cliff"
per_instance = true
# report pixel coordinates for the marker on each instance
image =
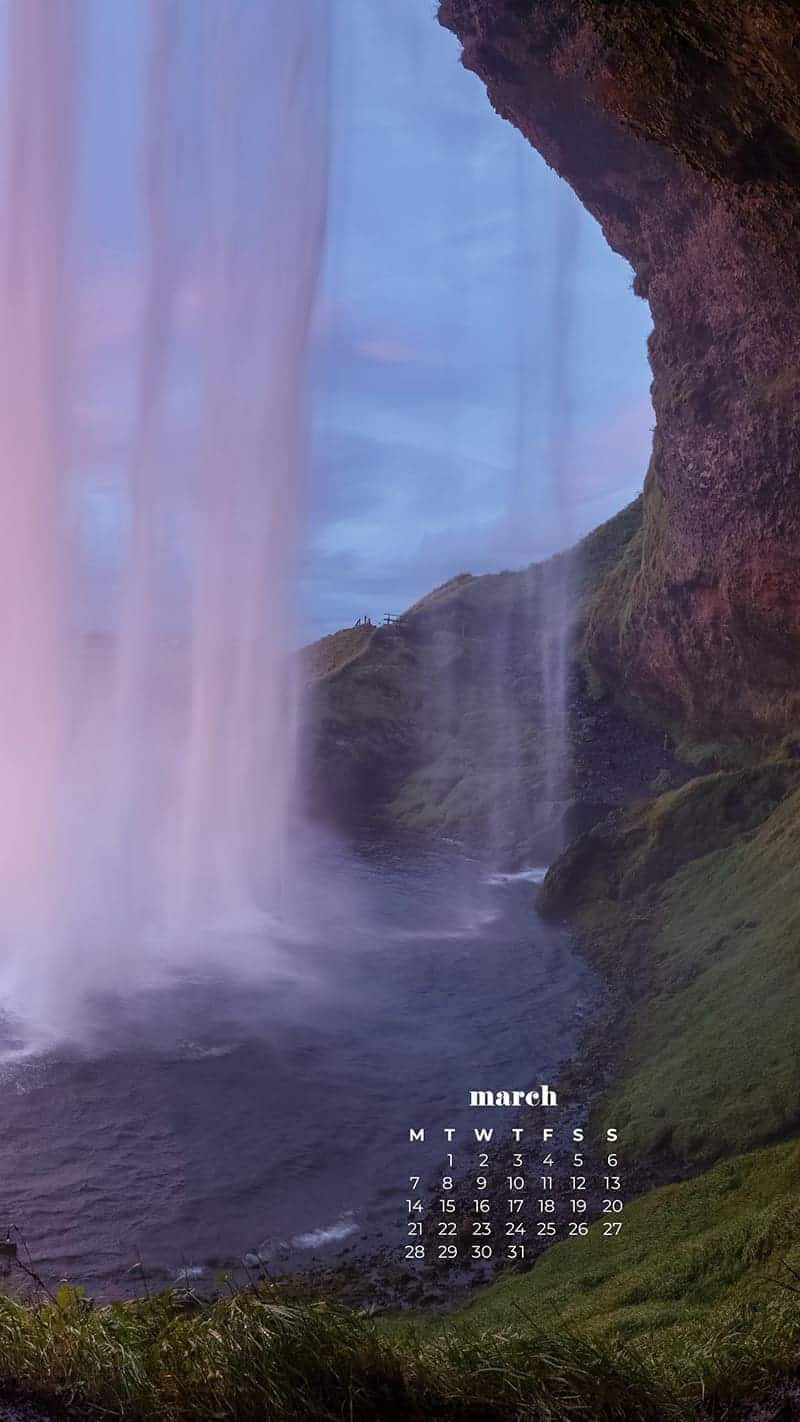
(433, 724)
(677, 122)
(691, 904)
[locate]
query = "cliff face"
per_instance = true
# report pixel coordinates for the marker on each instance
(434, 724)
(677, 122)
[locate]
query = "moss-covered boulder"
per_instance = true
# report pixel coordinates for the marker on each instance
(644, 844)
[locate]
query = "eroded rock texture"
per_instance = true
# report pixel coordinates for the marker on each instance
(678, 125)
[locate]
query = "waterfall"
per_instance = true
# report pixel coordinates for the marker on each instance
(147, 716)
(542, 502)
(558, 575)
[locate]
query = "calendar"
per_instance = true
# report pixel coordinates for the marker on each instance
(496, 1192)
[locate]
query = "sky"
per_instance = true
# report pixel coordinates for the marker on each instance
(479, 388)
(457, 265)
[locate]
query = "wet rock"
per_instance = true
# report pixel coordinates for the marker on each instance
(679, 128)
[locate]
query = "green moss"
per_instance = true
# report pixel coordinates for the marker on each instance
(434, 722)
(693, 901)
(707, 756)
(703, 815)
(713, 1064)
(603, 549)
(646, 843)
(698, 1280)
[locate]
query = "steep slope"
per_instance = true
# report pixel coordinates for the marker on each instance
(691, 904)
(678, 125)
(698, 1285)
(333, 652)
(435, 724)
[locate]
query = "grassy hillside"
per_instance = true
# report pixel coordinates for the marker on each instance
(700, 1281)
(333, 652)
(694, 899)
(689, 1309)
(433, 724)
(714, 1063)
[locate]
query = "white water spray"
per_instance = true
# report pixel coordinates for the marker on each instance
(146, 775)
(543, 490)
(557, 584)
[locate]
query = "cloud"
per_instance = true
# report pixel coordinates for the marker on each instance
(432, 336)
(392, 520)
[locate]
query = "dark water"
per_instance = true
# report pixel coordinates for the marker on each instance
(212, 1119)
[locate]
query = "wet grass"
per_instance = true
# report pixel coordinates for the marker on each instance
(692, 900)
(713, 1064)
(262, 1356)
(701, 1284)
(693, 1307)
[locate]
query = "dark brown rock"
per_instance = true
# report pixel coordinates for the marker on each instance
(678, 125)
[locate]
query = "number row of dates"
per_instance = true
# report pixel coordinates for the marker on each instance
(543, 1229)
(515, 1250)
(577, 1183)
(543, 1204)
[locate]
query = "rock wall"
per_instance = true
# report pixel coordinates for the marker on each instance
(677, 122)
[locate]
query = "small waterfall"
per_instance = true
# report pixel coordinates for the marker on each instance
(558, 575)
(495, 668)
(537, 629)
(147, 721)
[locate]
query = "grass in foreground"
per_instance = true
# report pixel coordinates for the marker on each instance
(703, 1282)
(693, 1308)
(261, 1356)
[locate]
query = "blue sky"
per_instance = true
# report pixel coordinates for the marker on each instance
(456, 266)
(432, 384)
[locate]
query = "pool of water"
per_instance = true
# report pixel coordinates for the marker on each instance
(214, 1118)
